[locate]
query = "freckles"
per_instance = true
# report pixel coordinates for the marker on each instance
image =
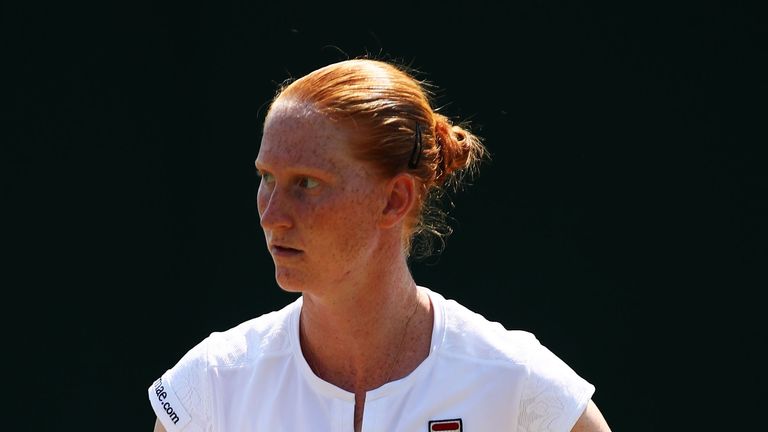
(310, 215)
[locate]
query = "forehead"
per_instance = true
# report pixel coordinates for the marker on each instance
(296, 134)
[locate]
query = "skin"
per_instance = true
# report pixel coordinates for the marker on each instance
(335, 231)
(346, 222)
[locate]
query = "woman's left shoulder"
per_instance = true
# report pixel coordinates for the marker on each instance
(471, 332)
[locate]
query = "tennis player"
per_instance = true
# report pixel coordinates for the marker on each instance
(351, 158)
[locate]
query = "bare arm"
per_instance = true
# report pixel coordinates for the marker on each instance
(158, 426)
(591, 420)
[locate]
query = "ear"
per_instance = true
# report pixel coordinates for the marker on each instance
(401, 197)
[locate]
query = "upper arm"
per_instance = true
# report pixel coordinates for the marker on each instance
(591, 420)
(158, 426)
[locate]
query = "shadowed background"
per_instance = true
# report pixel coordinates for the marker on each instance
(621, 218)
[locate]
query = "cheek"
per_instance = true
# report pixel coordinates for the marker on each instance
(345, 226)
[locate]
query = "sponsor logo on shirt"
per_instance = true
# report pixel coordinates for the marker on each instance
(453, 425)
(166, 405)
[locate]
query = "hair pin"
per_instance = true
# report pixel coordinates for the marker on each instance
(413, 162)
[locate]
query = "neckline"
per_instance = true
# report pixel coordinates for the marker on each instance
(323, 387)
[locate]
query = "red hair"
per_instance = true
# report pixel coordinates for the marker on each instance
(386, 105)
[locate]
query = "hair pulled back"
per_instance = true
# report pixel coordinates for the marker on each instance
(397, 131)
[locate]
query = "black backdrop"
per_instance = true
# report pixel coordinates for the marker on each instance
(621, 218)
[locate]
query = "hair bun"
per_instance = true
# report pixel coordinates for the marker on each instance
(458, 148)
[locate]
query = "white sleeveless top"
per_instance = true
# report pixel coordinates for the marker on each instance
(478, 377)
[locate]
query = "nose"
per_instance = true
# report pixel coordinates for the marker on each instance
(274, 209)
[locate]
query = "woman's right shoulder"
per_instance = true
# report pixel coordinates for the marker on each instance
(264, 335)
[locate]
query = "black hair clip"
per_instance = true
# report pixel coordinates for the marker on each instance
(413, 162)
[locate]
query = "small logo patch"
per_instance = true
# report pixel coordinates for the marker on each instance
(166, 404)
(453, 425)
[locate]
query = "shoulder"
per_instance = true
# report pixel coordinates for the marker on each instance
(267, 334)
(548, 390)
(472, 335)
(183, 394)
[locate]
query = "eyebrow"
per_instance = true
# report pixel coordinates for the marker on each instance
(300, 169)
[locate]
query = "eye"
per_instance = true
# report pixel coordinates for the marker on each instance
(265, 176)
(308, 183)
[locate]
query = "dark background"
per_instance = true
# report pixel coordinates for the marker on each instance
(621, 218)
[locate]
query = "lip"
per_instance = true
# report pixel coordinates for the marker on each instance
(284, 251)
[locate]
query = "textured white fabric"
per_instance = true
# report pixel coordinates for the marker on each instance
(254, 378)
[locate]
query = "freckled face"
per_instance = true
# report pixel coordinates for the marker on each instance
(317, 204)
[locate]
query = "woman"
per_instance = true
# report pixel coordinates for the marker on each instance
(349, 157)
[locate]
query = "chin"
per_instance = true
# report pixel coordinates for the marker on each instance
(288, 280)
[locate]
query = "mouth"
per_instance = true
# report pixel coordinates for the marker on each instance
(284, 251)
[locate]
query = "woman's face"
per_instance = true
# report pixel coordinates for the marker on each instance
(318, 205)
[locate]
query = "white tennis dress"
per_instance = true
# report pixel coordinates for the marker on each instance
(478, 377)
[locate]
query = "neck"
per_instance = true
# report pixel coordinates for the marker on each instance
(361, 337)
